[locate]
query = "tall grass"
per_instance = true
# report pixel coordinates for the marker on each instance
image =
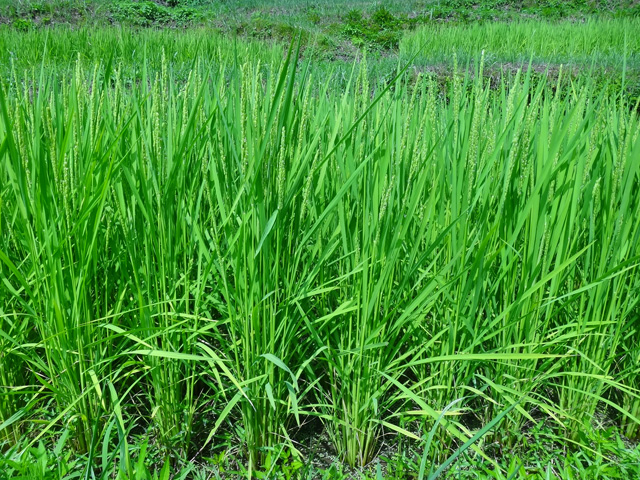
(253, 246)
(63, 48)
(599, 42)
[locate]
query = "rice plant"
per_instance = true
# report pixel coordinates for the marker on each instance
(595, 42)
(233, 247)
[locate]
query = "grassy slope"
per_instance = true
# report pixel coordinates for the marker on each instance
(324, 18)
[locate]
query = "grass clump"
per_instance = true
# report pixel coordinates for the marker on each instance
(382, 30)
(147, 13)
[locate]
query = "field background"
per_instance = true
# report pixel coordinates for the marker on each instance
(336, 240)
(336, 33)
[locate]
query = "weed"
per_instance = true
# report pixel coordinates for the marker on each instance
(23, 24)
(381, 31)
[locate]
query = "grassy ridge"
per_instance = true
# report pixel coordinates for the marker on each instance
(237, 251)
(35, 13)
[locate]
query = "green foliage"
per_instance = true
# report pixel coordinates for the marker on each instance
(588, 45)
(147, 13)
(542, 455)
(262, 27)
(47, 12)
(143, 13)
(203, 248)
(473, 10)
(129, 462)
(23, 24)
(39, 463)
(381, 31)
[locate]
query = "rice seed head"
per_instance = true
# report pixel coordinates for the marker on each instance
(281, 178)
